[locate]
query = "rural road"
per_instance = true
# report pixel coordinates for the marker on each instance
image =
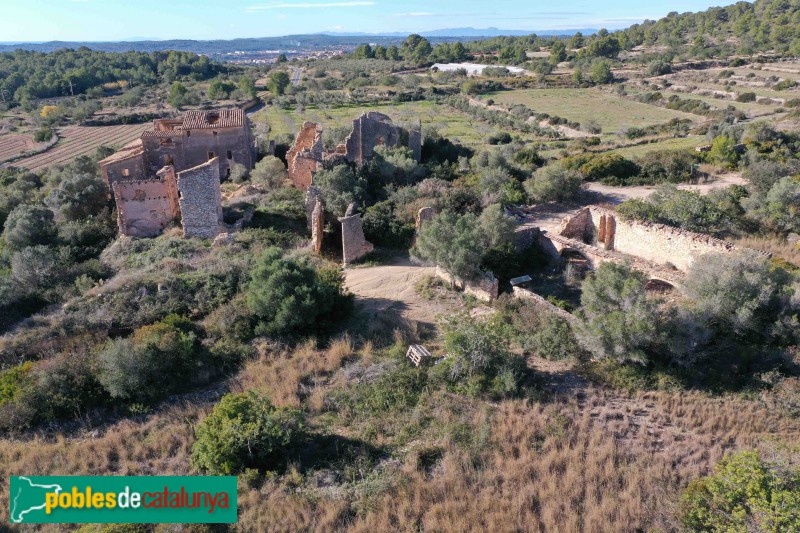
(296, 76)
(617, 195)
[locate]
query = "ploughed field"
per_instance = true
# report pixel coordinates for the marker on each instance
(82, 140)
(13, 145)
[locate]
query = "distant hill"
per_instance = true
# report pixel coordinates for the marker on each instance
(289, 42)
(742, 28)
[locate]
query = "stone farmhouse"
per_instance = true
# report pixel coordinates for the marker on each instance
(173, 171)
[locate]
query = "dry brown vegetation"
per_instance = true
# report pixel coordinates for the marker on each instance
(586, 459)
(777, 246)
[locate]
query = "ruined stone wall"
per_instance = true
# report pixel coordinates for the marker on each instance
(579, 226)
(144, 207)
(543, 303)
(354, 244)
(369, 131)
(305, 157)
(656, 242)
(424, 215)
(116, 171)
(200, 200)
(486, 288)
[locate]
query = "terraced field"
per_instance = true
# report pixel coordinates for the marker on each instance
(82, 140)
(612, 113)
(13, 145)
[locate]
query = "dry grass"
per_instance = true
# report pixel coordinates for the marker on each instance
(590, 459)
(777, 246)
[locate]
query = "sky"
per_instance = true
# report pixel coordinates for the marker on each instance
(117, 20)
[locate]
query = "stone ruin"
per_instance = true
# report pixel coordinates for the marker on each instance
(146, 207)
(174, 171)
(424, 215)
(370, 130)
(354, 244)
(305, 157)
(597, 235)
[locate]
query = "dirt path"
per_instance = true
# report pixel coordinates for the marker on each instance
(616, 195)
(391, 287)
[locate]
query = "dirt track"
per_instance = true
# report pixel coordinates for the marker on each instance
(391, 287)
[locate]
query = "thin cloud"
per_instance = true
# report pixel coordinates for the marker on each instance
(309, 5)
(418, 15)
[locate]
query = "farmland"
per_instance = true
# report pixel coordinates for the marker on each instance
(612, 113)
(453, 124)
(13, 145)
(82, 140)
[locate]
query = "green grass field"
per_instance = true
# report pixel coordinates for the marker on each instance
(457, 126)
(612, 113)
(667, 144)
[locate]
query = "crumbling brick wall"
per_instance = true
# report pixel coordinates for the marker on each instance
(305, 157)
(374, 129)
(200, 200)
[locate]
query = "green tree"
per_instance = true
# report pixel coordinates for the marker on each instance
(779, 209)
(554, 183)
(34, 268)
(270, 172)
(496, 227)
(79, 197)
(247, 86)
(749, 491)
(723, 152)
(289, 295)
(244, 431)
(735, 292)
(363, 51)
(452, 241)
(220, 89)
(416, 48)
(29, 225)
(279, 81)
(281, 59)
(617, 318)
(600, 72)
(340, 187)
(177, 95)
(558, 52)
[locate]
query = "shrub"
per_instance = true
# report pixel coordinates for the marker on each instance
(749, 491)
(270, 172)
(746, 97)
(244, 431)
(500, 138)
(155, 361)
(383, 228)
(479, 359)
(607, 165)
(289, 296)
(554, 183)
(665, 166)
(735, 292)
(617, 318)
(453, 242)
(43, 135)
(29, 225)
(78, 197)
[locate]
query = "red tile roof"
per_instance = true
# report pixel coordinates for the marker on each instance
(222, 118)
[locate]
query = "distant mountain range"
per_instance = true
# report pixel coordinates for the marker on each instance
(319, 41)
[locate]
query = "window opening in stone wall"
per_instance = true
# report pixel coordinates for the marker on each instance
(228, 173)
(215, 134)
(188, 133)
(126, 172)
(230, 154)
(167, 159)
(210, 156)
